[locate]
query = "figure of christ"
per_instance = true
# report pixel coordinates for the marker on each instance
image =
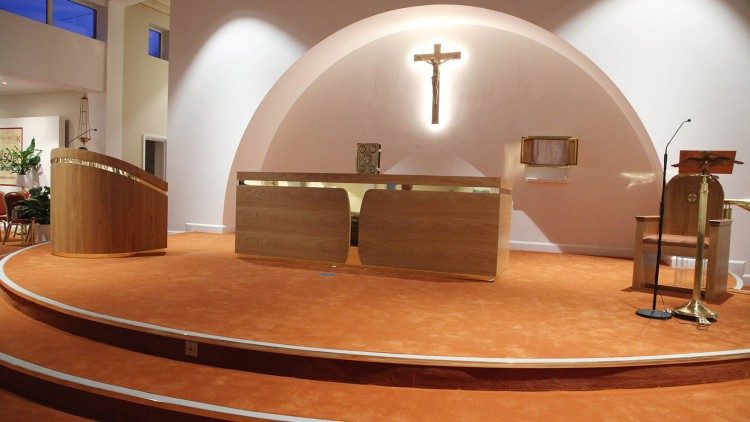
(436, 59)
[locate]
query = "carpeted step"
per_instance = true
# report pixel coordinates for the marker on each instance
(100, 381)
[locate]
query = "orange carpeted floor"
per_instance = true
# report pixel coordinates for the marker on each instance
(36, 342)
(12, 245)
(544, 305)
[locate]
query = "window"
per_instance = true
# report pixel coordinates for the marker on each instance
(65, 14)
(74, 17)
(32, 9)
(158, 42)
(154, 43)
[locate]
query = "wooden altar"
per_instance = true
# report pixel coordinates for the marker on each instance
(450, 225)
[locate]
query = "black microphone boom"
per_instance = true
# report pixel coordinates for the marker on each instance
(653, 313)
(78, 136)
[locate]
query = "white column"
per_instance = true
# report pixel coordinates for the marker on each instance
(115, 50)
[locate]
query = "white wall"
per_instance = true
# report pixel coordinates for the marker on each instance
(39, 52)
(47, 133)
(144, 83)
(679, 59)
(672, 59)
(215, 86)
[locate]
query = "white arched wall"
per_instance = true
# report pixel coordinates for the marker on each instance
(579, 100)
(213, 92)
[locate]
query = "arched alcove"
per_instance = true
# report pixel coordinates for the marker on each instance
(514, 79)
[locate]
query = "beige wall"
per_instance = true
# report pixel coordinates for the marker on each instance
(64, 104)
(144, 83)
(39, 52)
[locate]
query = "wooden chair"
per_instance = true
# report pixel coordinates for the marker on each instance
(10, 201)
(680, 231)
(3, 214)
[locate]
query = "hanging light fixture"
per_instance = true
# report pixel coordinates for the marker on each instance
(83, 123)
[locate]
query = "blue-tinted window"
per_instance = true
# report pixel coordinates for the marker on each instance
(74, 17)
(154, 43)
(32, 9)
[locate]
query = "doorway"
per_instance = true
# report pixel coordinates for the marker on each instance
(155, 155)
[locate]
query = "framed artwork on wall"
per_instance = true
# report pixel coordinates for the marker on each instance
(10, 137)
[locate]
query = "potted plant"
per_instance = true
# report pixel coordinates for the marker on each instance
(37, 206)
(21, 162)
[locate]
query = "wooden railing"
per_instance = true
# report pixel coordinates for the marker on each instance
(742, 203)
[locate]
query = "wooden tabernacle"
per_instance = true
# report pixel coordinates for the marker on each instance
(457, 233)
(105, 207)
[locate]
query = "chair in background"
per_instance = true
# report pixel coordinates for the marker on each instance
(3, 214)
(11, 200)
(680, 233)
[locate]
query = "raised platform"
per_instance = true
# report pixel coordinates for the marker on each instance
(551, 322)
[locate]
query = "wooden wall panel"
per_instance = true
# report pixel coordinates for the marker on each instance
(103, 206)
(436, 231)
(292, 222)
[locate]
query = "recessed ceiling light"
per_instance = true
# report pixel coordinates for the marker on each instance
(5, 83)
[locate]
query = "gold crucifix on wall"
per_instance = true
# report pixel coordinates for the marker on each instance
(436, 59)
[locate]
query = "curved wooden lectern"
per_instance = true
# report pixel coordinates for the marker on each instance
(104, 207)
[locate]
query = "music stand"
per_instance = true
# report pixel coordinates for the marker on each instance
(703, 163)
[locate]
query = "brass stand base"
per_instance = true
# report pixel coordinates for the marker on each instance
(696, 309)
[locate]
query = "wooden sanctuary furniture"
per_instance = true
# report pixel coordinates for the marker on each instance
(3, 213)
(105, 207)
(457, 233)
(680, 231)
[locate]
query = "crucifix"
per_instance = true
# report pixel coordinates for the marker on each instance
(436, 59)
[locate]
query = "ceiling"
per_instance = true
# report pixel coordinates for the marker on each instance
(161, 6)
(12, 86)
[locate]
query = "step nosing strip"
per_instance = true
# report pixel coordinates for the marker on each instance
(400, 358)
(130, 392)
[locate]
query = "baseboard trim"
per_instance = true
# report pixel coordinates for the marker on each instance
(571, 248)
(735, 266)
(208, 228)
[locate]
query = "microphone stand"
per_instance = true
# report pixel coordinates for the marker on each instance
(653, 312)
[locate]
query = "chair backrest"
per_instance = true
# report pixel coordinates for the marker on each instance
(2, 203)
(681, 199)
(10, 200)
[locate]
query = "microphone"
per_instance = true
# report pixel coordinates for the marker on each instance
(78, 136)
(675, 134)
